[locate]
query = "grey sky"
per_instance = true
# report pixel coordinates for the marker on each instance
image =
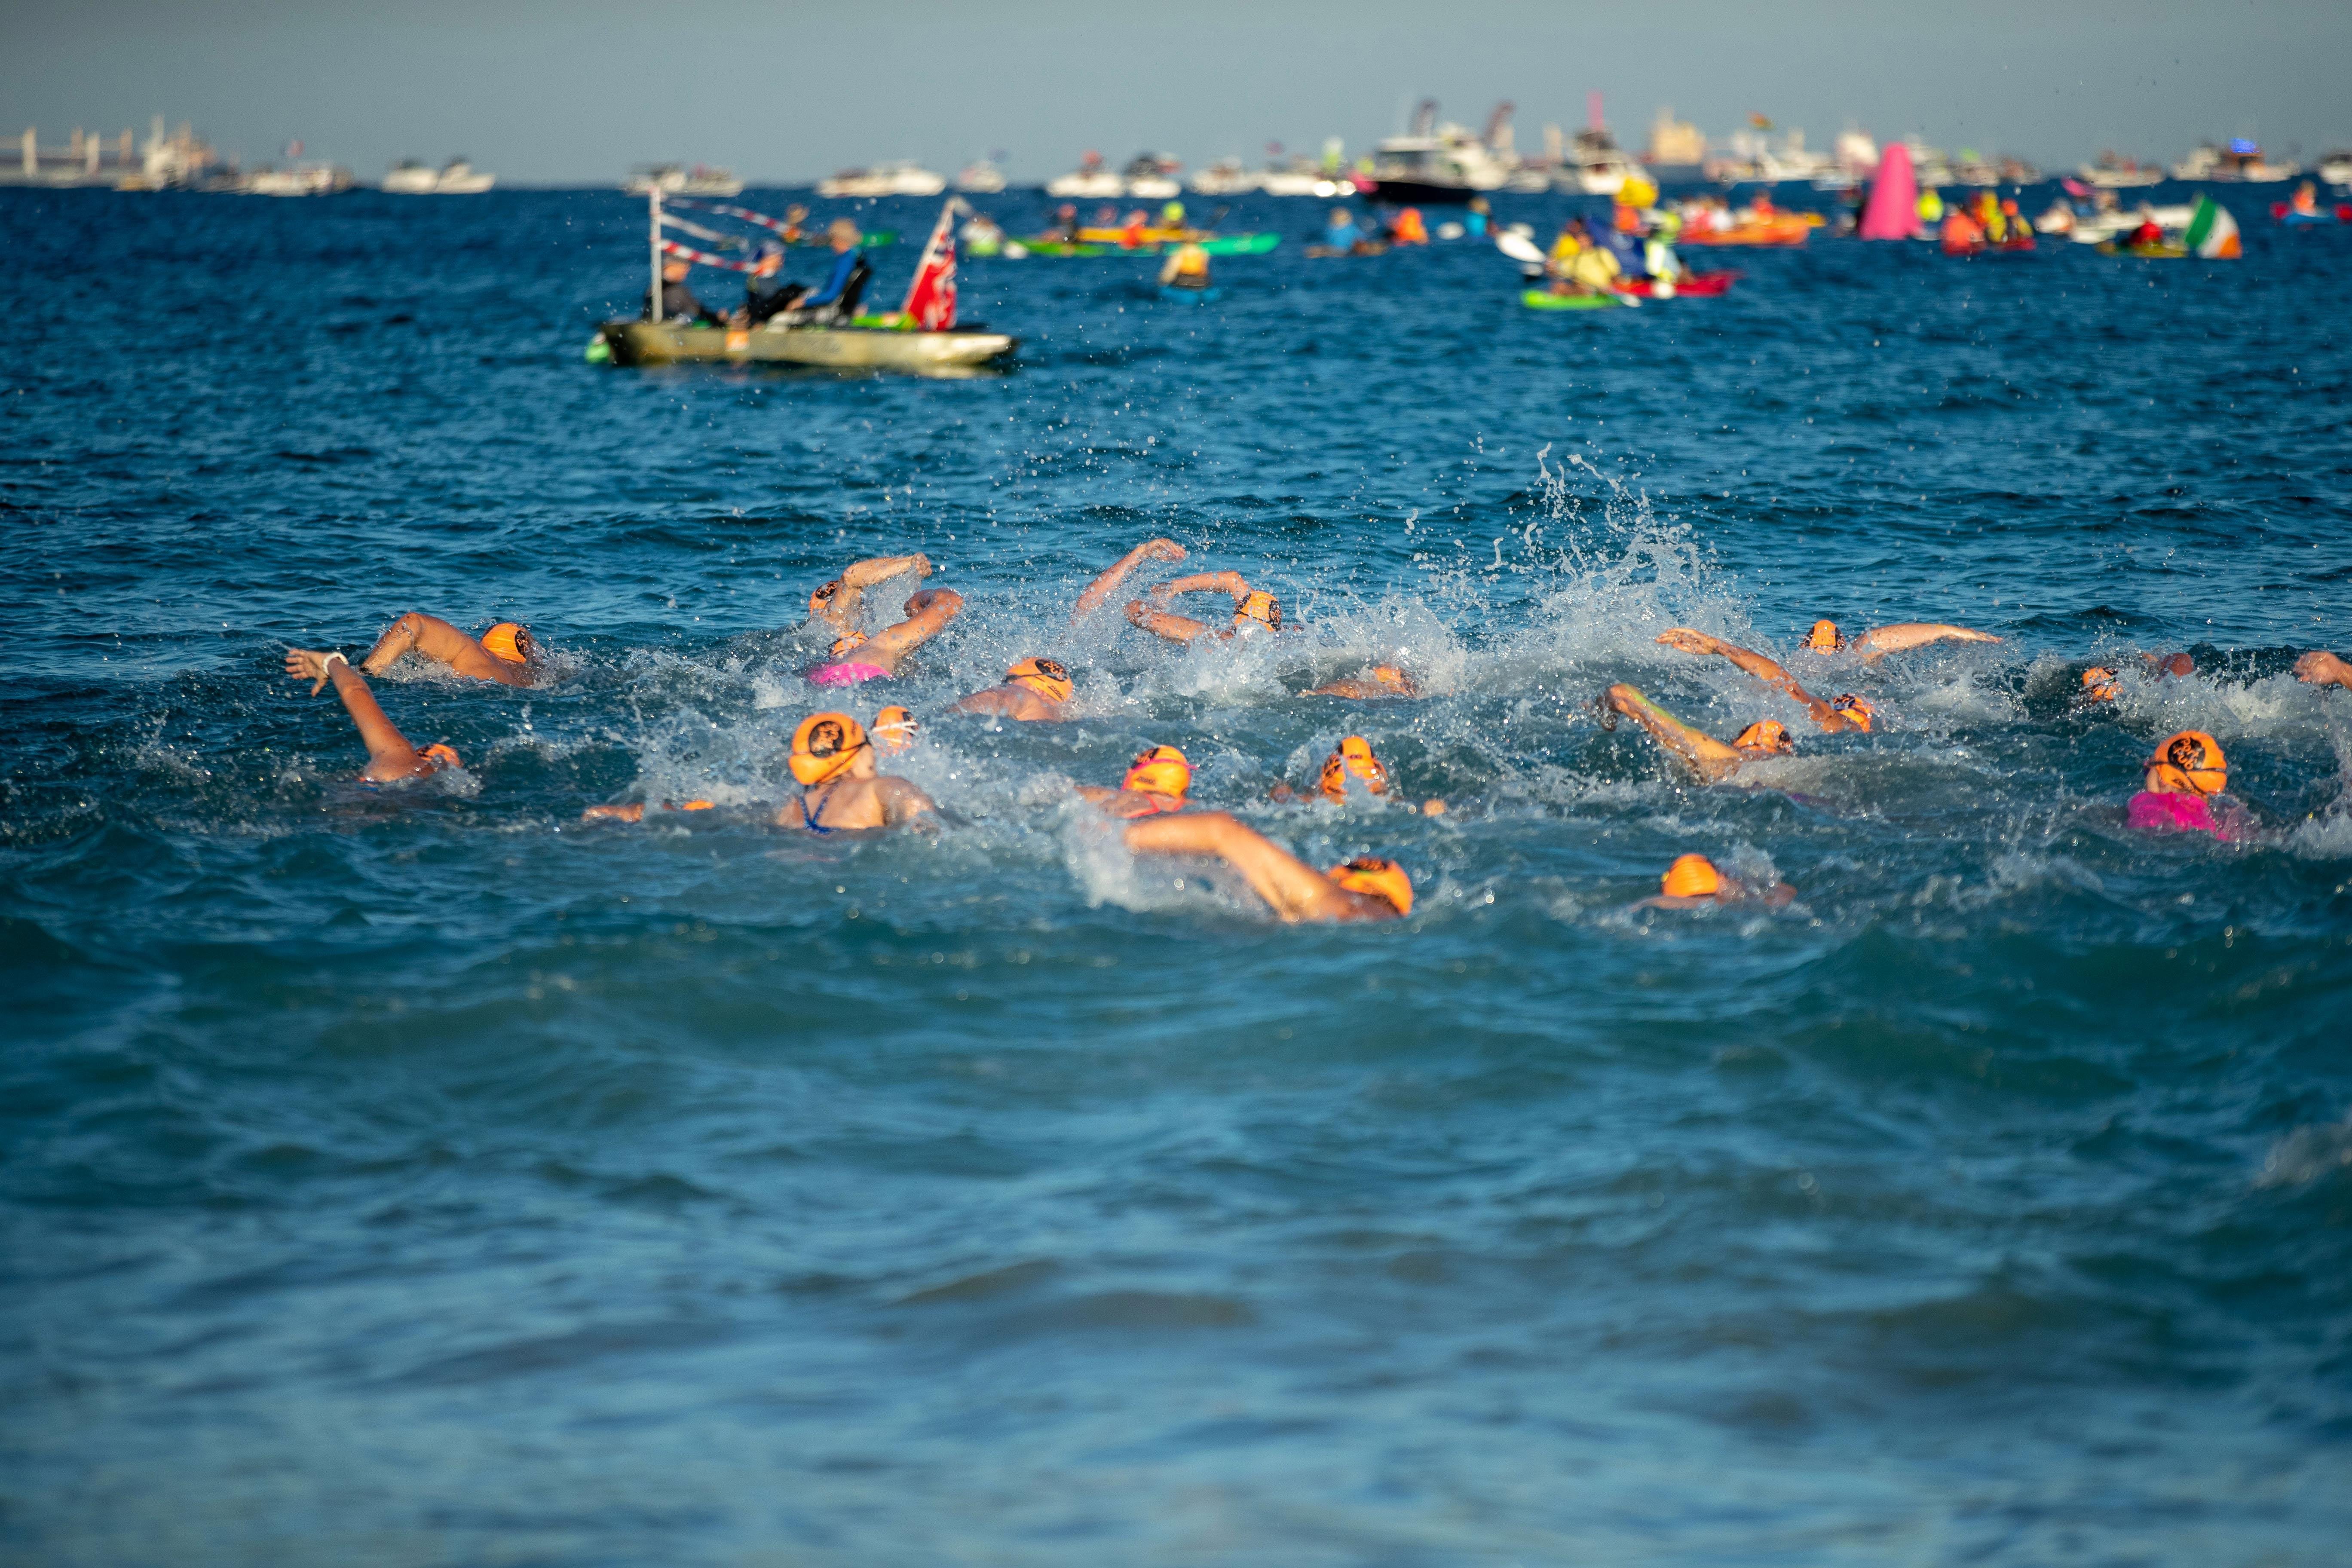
(575, 92)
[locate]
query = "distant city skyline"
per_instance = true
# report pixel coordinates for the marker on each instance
(574, 94)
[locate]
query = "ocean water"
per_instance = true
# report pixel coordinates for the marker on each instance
(413, 1176)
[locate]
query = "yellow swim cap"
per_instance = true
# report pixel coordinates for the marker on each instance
(1765, 736)
(446, 756)
(508, 641)
(1161, 770)
(825, 745)
(849, 643)
(2193, 758)
(895, 728)
(1826, 638)
(1354, 756)
(1857, 711)
(1381, 879)
(1691, 877)
(1260, 605)
(1045, 677)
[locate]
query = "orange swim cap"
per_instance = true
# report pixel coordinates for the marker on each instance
(849, 643)
(1160, 769)
(1691, 877)
(824, 596)
(509, 641)
(1260, 606)
(1857, 711)
(1381, 879)
(1354, 756)
(2099, 684)
(2197, 758)
(1765, 736)
(895, 728)
(1826, 638)
(825, 745)
(1045, 677)
(446, 756)
(1395, 679)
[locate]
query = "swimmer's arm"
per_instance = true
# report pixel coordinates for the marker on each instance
(1295, 890)
(903, 802)
(1097, 795)
(429, 637)
(2321, 668)
(390, 756)
(1756, 665)
(1881, 640)
(863, 575)
(635, 810)
(928, 614)
(1102, 587)
(1229, 582)
(1161, 623)
(1708, 757)
(1365, 691)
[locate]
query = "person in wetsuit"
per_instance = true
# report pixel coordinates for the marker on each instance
(678, 301)
(765, 293)
(843, 236)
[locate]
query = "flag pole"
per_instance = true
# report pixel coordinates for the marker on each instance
(653, 208)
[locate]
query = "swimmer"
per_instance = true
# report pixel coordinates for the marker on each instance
(1352, 759)
(1692, 882)
(1253, 609)
(635, 810)
(503, 654)
(1382, 680)
(2320, 668)
(1156, 783)
(2099, 685)
(841, 789)
(1033, 689)
(895, 729)
(2183, 787)
(1843, 713)
(390, 758)
(1707, 757)
(1880, 641)
(1365, 888)
(840, 602)
(1107, 582)
(858, 657)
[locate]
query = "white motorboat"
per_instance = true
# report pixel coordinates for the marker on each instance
(1434, 162)
(1753, 158)
(455, 178)
(297, 179)
(980, 178)
(2241, 161)
(678, 179)
(2099, 227)
(1090, 181)
(2335, 168)
(2111, 172)
(1151, 178)
(1300, 175)
(1226, 177)
(902, 177)
(1595, 164)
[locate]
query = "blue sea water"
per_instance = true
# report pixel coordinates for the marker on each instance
(415, 1175)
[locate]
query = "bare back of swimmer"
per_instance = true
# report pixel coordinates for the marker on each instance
(1362, 890)
(1035, 690)
(1844, 712)
(390, 758)
(842, 790)
(1880, 641)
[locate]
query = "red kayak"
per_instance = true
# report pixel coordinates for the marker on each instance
(1700, 285)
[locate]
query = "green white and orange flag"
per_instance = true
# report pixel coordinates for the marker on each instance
(2212, 232)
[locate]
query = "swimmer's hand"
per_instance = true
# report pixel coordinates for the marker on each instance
(1689, 641)
(2320, 668)
(305, 664)
(634, 811)
(1159, 550)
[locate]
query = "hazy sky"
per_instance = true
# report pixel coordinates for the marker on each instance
(545, 92)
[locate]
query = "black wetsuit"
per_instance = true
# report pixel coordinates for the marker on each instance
(758, 303)
(678, 303)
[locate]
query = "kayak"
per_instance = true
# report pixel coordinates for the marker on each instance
(1698, 286)
(1099, 241)
(1240, 243)
(1190, 296)
(872, 343)
(1040, 246)
(1785, 231)
(1545, 299)
(2152, 252)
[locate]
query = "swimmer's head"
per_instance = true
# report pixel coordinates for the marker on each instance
(1260, 606)
(848, 645)
(1354, 756)
(1765, 736)
(1379, 878)
(894, 729)
(1160, 769)
(824, 747)
(821, 601)
(1395, 679)
(1826, 638)
(1856, 710)
(1691, 877)
(509, 641)
(441, 755)
(2099, 685)
(1045, 677)
(2174, 664)
(2190, 763)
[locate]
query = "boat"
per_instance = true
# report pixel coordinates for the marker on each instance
(866, 344)
(1596, 165)
(1545, 299)
(1089, 182)
(2240, 160)
(1150, 241)
(676, 180)
(1226, 177)
(1781, 228)
(455, 178)
(1151, 178)
(980, 178)
(901, 178)
(1698, 286)
(2111, 172)
(1300, 175)
(1752, 159)
(2150, 252)
(1434, 164)
(297, 179)
(2335, 168)
(2099, 227)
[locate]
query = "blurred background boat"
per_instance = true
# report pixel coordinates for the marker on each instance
(1151, 178)
(981, 177)
(678, 179)
(456, 178)
(901, 177)
(1434, 162)
(2110, 173)
(2240, 160)
(312, 179)
(1089, 181)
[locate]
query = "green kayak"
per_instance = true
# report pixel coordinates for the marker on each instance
(1240, 244)
(1063, 247)
(1544, 299)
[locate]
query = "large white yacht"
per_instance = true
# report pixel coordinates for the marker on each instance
(1434, 162)
(2240, 160)
(980, 177)
(901, 178)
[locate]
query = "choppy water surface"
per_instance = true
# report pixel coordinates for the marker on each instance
(414, 1176)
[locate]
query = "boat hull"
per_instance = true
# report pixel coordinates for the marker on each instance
(1701, 286)
(1422, 192)
(837, 348)
(1544, 299)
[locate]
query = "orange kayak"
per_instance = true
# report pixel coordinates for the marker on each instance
(1786, 230)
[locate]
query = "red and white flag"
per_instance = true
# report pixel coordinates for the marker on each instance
(931, 302)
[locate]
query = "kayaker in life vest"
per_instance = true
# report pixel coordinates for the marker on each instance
(1658, 254)
(390, 758)
(1962, 233)
(2306, 200)
(1845, 711)
(843, 236)
(857, 657)
(678, 301)
(1365, 888)
(1705, 755)
(1187, 266)
(2149, 231)
(1409, 228)
(1477, 218)
(1255, 610)
(1931, 206)
(2183, 791)
(504, 654)
(1340, 235)
(1066, 224)
(2020, 235)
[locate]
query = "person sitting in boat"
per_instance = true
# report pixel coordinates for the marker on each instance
(2021, 232)
(1658, 256)
(2149, 233)
(796, 224)
(1625, 246)
(1066, 224)
(1255, 610)
(1577, 266)
(1187, 266)
(2304, 202)
(1340, 235)
(1130, 233)
(390, 758)
(1931, 206)
(765, 292)
(1990, 218)
(1172, 217)
(836, 295)
(678, 303)
(504, 654)
(981, 236)
(1963, 236)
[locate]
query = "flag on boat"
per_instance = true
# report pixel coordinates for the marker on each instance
(704, 257)
(932, 301)
(2212, 232)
